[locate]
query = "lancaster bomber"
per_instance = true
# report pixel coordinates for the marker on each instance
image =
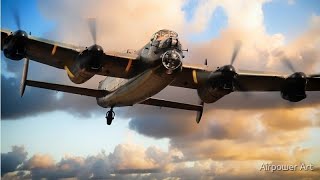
(149, 70)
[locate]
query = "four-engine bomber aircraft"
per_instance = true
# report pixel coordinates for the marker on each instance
(148, 70)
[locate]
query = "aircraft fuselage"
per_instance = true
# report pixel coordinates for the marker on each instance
(162, 58)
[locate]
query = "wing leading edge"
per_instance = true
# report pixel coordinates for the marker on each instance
(60, 55)
(195, 77)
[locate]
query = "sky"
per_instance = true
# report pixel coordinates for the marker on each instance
(47, 134)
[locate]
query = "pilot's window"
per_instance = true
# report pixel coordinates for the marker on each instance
(165, 38)
(154, 37)
(163, 34)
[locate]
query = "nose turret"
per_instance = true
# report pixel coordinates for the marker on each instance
(171, 60)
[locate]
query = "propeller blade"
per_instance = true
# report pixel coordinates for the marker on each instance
(235, 52)
(289, 65)
(24, 76)
(16, 17)
(92, 23)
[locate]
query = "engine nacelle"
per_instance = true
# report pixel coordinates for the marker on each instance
(294, 89)
(14, 46)
(209, 94)
(218, 84)
(87, 64)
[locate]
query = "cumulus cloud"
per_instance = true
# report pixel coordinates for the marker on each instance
(287, 119)
(152, 163)
(303, 51)
(241, 136)
(36, 101)
(126, 159)
(131, 27)
(11, 160)
(39, 161)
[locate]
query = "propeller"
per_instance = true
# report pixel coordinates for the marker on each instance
(235, 52)
(289, 65)
(92, 23)
(236, 49)
(16, 17)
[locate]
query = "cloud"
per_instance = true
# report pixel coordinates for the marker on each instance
(303, 51)
(131, 27)
(166, 125)
(11, 160)
(102, 166)
(287, 119)
(36, 101)
(39, 161)
(125, 159)
(221, 123)
(253, 135)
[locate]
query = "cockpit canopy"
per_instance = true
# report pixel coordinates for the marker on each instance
(165, 38)
(164, 34)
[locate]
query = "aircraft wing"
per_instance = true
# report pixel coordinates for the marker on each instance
(68, 89)
(258, 82)
(190, 77)
(193, 77)
(61, 55)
